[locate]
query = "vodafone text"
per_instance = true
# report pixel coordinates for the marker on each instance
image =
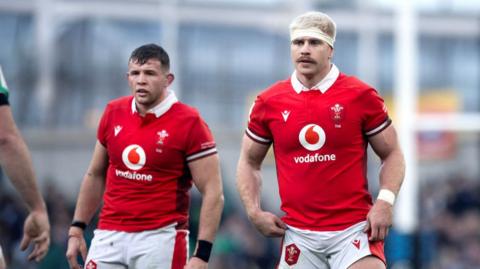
(313, 158)
(133, 176)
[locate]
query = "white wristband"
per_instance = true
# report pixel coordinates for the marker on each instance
(387, 196)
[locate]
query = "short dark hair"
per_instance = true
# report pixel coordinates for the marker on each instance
(150, 51)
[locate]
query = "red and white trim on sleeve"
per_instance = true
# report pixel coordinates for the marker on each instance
(380, 128)
(201, 154)
(257, 138)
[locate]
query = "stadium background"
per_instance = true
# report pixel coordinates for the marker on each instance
(64, 59)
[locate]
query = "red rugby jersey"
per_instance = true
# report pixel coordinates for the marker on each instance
(319, 140)
(148, 180)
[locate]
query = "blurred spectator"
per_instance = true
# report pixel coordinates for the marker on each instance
(60, 215)
(450, 224)
(12, 216)
(240, 246)
(237, 245)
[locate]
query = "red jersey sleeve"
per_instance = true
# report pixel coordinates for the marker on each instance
(200, 141)
(103, 127)
(257, 128)
(375, 118)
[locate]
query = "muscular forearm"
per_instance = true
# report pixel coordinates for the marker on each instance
(17, 164)
(93, 185)
(249, 177)
(386, 146)
(89, 197)
(210, 214)
(207, 179)
(392, 171)
(249, 186)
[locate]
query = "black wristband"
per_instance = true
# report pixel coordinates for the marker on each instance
(80, 224)
(3, 99)
(203, 250)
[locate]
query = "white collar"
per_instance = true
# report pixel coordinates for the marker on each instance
(161, 108)
(322, 86)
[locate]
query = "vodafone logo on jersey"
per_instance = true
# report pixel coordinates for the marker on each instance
(134, 157)
(312, 137)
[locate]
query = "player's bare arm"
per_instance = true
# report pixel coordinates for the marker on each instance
(16, 161)
(249, 183)
(207, 179)
(392, 172)
(2, 260)
(89, 199)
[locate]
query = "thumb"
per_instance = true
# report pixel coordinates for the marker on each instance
(280, 223)
(25, 241)
(367, 227)
(83, 251)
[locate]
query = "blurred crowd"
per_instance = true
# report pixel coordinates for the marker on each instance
(449, 236)
(12, 213)
(450, 224)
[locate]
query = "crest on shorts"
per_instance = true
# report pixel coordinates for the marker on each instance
(337, 112)
(91, 265)
(292, 252)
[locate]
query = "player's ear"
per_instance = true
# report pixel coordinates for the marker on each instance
(331, 53)
(170, 78)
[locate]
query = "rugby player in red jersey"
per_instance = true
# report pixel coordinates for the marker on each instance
(150, 150)
(320, 122)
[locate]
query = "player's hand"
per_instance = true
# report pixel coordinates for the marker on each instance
(76, 244)
(379, 220)
(268, 224)
(196, 263)
(36, 231)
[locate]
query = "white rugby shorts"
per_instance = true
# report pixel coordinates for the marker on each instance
(304, 249)
(164, 248)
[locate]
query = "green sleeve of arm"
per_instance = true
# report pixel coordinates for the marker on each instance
(3, 96)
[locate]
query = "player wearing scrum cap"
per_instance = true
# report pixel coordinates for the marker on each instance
(15, 160)
(330, 220)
